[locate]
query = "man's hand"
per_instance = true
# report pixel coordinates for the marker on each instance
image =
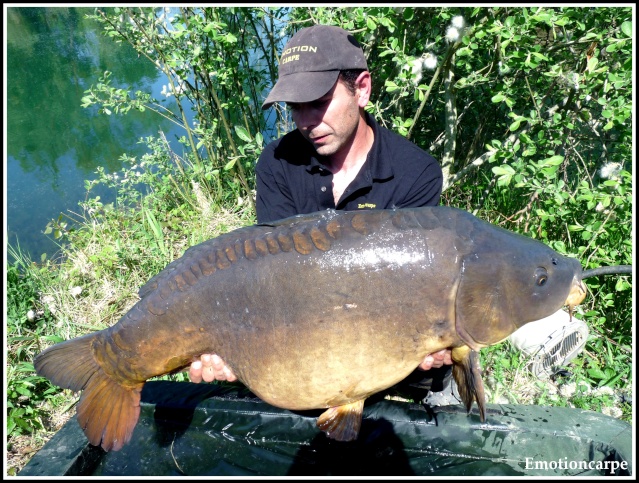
(436, 359)
(209, 368)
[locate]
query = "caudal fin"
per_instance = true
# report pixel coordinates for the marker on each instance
(107, 411)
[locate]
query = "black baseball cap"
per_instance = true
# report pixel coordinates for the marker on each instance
(311, 61)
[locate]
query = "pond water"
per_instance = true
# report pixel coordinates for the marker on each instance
(53, 144)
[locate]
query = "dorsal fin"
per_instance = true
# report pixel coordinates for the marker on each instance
(303, 234)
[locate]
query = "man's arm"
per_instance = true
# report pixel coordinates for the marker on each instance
(273, 200)
(426, 188)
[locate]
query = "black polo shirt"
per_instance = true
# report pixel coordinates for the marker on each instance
(292, 180)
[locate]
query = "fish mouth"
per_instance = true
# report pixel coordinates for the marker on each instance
(576, 296)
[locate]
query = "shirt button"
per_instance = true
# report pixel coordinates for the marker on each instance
(323, 188)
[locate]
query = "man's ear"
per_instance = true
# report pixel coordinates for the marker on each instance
(364, 85)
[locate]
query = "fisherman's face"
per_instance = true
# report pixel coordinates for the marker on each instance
(330, 122)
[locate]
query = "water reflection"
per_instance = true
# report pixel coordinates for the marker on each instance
(53, 144)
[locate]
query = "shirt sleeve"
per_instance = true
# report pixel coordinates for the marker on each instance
(273, 201)
(426, 189)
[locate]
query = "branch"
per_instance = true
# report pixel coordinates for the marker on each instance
(449, 53)
(451, 123)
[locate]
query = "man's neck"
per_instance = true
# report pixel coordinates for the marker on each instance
(345, 166)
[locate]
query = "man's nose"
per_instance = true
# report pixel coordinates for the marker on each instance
(305, 118)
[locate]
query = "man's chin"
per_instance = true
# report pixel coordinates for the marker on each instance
(324, 149)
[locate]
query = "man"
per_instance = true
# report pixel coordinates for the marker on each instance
(338, 157)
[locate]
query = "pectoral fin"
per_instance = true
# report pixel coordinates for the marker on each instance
(342, 423)
(467, 374)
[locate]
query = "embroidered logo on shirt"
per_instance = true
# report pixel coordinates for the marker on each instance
(366, 205)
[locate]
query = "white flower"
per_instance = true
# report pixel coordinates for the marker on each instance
(416, 69)
(568, 390)
(610, 170)
(458, 22)
(429, 61)
(49, 301)
(452, 34)
(416, 66)
(603, 390)
(613, 411)
(75, 291)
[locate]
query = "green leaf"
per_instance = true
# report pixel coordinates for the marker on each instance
(621, 285)
(243, 134)
(552, 161)
(505, 169)
(626, 28)
(391, 86)
(228, 166)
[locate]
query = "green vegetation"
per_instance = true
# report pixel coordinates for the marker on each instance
(528, 109)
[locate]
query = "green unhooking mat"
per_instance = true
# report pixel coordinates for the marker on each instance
(191, 429)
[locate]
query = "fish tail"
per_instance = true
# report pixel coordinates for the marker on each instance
(467, 375)
(107, 411)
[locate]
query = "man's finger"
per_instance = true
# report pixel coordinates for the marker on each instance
(228, 374)
(427, 363)
(195, 372)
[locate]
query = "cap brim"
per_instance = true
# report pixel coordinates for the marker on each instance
(301, 87)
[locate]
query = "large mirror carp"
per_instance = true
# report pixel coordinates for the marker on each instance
(320, 311)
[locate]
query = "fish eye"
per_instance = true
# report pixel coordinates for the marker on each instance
(541, 276)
